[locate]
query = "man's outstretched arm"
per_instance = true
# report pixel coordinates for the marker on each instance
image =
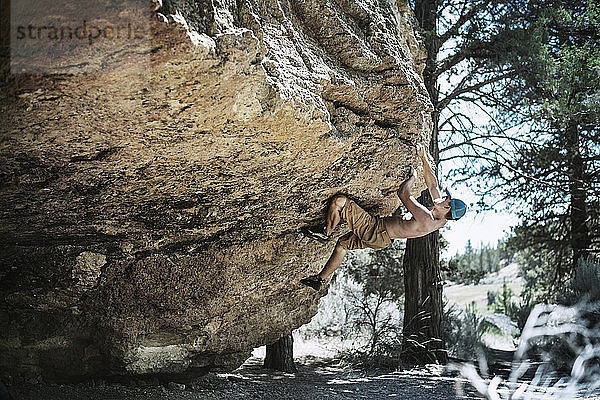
(418, 211)
(430, 179)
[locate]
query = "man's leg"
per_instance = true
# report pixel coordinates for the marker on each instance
(334, 213)
(361, 224)
(339, 252)
(347, 242)
(335, 260)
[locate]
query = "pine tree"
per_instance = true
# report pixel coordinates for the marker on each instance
(556, 177)
(541, 152)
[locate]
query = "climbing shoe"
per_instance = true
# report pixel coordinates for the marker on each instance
(313, 281)
(316, 233)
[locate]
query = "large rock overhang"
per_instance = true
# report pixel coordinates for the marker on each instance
(153, 191)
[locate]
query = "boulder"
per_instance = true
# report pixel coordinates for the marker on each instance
(153, 189)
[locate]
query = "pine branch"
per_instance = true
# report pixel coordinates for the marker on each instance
(482, 137)
(505, 165)
(470, 89)
(462, 20)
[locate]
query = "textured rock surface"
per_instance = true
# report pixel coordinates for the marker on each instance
(151, 209)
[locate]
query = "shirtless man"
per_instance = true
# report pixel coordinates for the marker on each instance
(377, 233)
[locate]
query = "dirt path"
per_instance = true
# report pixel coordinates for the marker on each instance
(315, 379)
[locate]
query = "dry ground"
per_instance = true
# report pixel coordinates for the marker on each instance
(317, 378)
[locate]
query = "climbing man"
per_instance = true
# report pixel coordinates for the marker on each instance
(376, 232)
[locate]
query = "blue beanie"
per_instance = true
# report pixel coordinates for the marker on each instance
(458, 208)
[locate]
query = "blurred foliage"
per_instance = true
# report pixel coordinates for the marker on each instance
(557, 358)
(582, 295)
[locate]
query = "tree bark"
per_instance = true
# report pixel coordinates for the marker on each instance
(422, 340)
(580, 233)
(280, 355)
(426, 12)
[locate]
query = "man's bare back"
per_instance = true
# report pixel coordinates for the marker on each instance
(401, 228)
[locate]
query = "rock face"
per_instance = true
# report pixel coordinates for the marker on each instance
(152, 194)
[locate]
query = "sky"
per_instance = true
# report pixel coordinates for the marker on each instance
(481, 228)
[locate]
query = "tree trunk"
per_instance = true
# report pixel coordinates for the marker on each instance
(422, 336)
(280, 355)
(422, 340)
(580, 233)
(426, 12)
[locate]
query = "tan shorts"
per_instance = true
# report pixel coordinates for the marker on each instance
(366, 230)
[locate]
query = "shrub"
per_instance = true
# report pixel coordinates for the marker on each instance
(584, 285)
(517, 312)
(363, 308)
(463, 331)
(376, 318)
(504, 303)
